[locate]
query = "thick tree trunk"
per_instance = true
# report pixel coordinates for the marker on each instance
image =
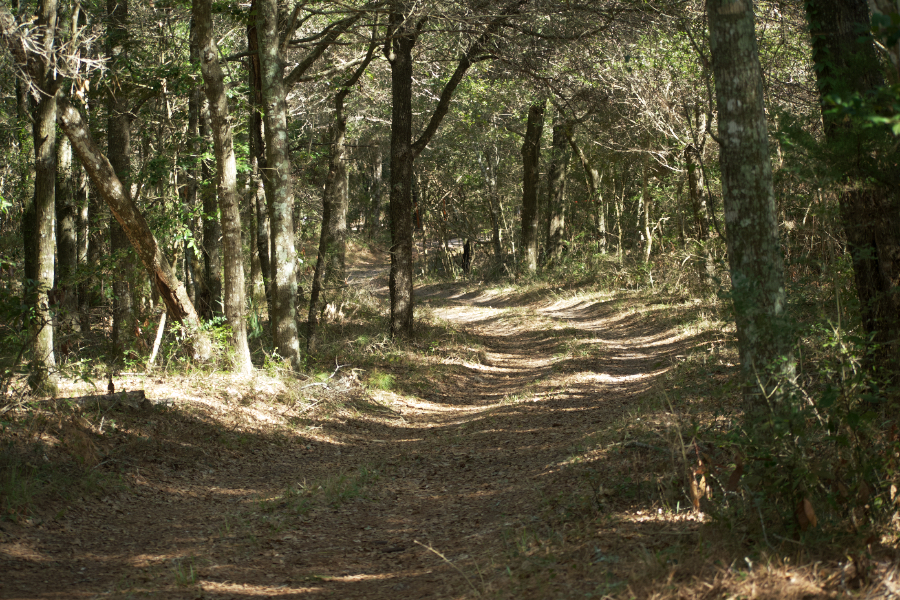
(846, 63)
(531, 167)
(281, 199)
(401, 207)
(132, 221)
(754, 251)
(259, 177)
(118, 140)
(556, 197)
(226, 185)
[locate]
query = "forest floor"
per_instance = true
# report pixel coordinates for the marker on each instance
(520, 448)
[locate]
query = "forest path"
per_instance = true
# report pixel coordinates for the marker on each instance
(344, 506)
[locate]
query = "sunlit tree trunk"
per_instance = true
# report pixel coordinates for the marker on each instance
(281, 200)
(489, 164)
(212, 230)
(646, 202)
(66, 234)
(531, 162)
(226, 185)
(594, 181)
(754, 250)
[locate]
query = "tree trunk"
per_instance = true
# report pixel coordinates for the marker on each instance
(118, 139)
(556, 182)
(594, 180)
(212, 230)
(281, 200)
(846, 63)
(647, 224)
(132, 221)
(83, 201)
(489, 173)
(258, 160)
(226, 185)
(401, 203)
(66, 229)
(531, 163)
(754, 251)
(373, 221)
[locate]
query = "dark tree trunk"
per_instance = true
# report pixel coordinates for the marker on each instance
(66, 235)
(226, 185)
(754, 250)
(258, 181)
(401, 203)
(531, 169)
(594, 180)
(556, 197)
(846, 63)
(212, 231)
(118, 140)
(281, 199)
(132, 221)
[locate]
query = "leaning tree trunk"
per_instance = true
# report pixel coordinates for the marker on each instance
(281, 201)
(754, 251)
(226, 184)
(132, 221)
(846, 63)
(531, 162)
(556, 198)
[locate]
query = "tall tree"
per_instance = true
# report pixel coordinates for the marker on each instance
(42, 378)
(226, 184)
(754, 250)
(847, 65)
(531, 174)
(118, 142)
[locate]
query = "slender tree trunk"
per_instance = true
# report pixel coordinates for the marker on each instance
(226, 185)
(489, 174)
(594, 180)
(531, 162)
(373, 221)
(754, 250)
(645, 212)
(42, 378)
(83, 200)
(66, 223)
(132, 221)
(846, 63)
(212, 229)
(281, 200)
(258, 160)
(401, 275)
(556, 182)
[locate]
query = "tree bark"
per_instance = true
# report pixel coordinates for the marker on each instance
(646, 201)
(594, 180)
(401, 205)
(556, 197)
(531, 163)
(226, 185)
(66, 234)
(212, 230)
(118, 140)
(132, 221)
(490, 162)
(281, 199)
(754, 251)
(258, 159)
(846, 63)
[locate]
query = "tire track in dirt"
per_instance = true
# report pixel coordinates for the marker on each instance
(460, 475)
